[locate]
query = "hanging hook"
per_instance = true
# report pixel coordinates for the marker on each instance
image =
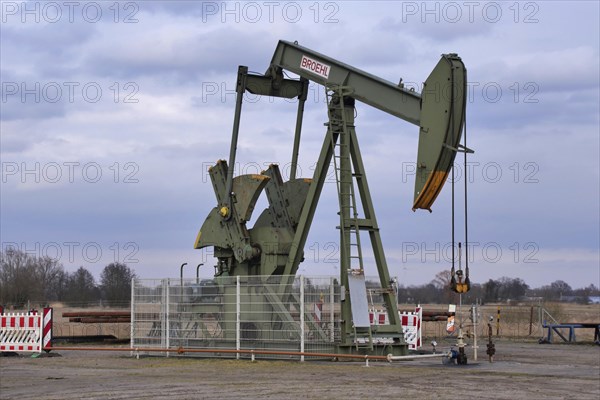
(456, 282)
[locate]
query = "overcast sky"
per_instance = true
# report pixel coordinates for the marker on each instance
(111, 114)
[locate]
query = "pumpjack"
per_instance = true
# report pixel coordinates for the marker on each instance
(273, 246)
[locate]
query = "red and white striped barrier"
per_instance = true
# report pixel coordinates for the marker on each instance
(317, 311)
(410, 321)
(47, 328)
(411, 325)
(26, 332)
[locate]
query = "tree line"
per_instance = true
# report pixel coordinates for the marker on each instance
(27, 279)
(502, 290)
(40, 280)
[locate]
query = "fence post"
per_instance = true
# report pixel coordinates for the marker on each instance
(498, 322)
(475, 321)
(531, 321)
(237, 315)
(167, 318)
(163, 313)
(301, 316)
(331, 309)
(132, 318)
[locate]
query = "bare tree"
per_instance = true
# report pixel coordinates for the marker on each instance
(47, 271)
(442, 280)
(16, 277)
(442, 283)
(555, 291)
(26, 278)
(490, 291)
(561, 288)
(512, 288)
(81, 288)
(115, 282)
(57, 289)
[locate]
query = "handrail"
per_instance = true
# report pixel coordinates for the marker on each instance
(543, 312)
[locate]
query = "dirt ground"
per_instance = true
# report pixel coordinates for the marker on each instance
(522, 370)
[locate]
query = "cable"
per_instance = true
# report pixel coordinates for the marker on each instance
(466, 181)
(453, 175)
(453, 256)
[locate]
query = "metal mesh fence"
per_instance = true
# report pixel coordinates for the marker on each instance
(285, 313)
(513, 321)
(289, 313)
(524, 321)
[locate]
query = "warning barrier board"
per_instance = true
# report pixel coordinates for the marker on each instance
(26, 332)
(410, 321)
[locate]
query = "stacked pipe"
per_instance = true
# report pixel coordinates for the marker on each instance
(429, 316)
(98, 317)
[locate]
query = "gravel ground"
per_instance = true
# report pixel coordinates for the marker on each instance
(521, 370)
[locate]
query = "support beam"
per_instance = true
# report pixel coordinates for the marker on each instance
(376, 243)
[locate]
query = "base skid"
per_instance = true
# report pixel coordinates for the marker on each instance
(378, 349)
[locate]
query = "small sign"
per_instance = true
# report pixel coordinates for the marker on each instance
(450, 327)
(315, 67)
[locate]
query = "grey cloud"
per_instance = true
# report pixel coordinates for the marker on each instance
(185, 60)
(519, 110)
(14, 144)
(184, 8)
(443, 30)
(17, 108)
(45, 50)
(561, 70)
(195, 151)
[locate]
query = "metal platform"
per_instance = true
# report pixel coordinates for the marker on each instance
(570, 337)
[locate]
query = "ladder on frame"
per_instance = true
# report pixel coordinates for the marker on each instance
(342, 164)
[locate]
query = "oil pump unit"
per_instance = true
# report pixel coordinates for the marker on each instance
(273, 246)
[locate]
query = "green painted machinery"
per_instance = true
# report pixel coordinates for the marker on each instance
(273, 246)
